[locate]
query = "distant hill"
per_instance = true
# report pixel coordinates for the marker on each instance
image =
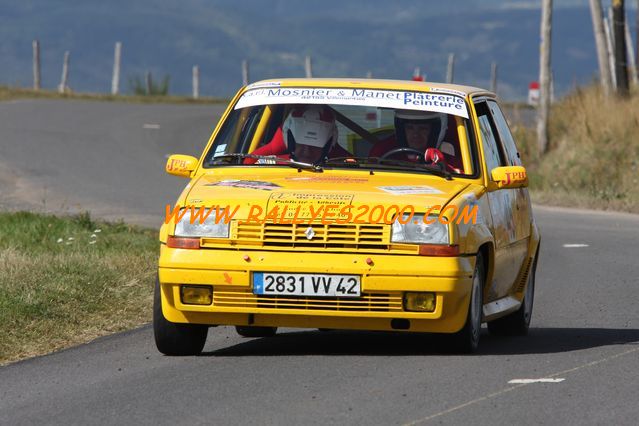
(345, 38)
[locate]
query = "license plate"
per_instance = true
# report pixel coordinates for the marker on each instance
(314, 285)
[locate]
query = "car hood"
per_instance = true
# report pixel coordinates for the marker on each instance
(291, 188)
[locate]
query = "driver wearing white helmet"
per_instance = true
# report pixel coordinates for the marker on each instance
(308, 135)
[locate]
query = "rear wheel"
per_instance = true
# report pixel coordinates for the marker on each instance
(173, 338)
(254, 331)
(466, 340)
(517, 323)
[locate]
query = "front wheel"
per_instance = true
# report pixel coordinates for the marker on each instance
(172, 338)
(466, 340)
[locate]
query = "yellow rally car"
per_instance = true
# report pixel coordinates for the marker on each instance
(350, 204)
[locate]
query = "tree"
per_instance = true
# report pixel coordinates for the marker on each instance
(621, 62)
(544, 76)
(602, 48)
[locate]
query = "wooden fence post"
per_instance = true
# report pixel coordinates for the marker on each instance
(64, 81)
(36, 64)
(493, 77)
(245, 73)
(115, 79)
(308, 67)
(196, 82)
(451, 68)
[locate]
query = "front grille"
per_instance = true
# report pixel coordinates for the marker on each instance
(354, 236)
(368, 302)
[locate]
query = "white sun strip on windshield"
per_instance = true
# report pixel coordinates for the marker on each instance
(398, 99)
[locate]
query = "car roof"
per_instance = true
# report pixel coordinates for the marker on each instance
(372, 83)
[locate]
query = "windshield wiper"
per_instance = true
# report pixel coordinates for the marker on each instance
(348, 161)
(273, 160)
(439, 169)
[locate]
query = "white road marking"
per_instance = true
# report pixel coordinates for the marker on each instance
(575, 245)
(151, 126)
(512, 388)
(528, 381)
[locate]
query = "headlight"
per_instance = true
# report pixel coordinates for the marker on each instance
(208, 228)
(417, 231)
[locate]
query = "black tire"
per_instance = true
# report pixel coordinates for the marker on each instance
(254, 331)
(466, 340)
(517, 323)
(176, 339)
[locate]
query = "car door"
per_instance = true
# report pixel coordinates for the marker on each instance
(523, 210)
(509, 251)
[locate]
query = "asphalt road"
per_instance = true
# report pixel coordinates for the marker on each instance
(104, 157)
(585, 327)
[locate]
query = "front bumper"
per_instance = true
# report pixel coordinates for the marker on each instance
(384, 280)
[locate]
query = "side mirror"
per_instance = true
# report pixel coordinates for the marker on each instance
(181, 165)
(508, 177)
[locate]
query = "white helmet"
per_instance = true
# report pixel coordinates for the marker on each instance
(438, 118)
(312, 125)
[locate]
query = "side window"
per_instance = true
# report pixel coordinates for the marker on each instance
(492, 151)
(236, 133)
(504, 133)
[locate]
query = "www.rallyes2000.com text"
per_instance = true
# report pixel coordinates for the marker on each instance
(328, 214)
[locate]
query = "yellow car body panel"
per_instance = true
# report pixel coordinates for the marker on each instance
(450, 278)
(387, 270)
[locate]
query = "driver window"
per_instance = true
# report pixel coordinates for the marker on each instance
(492, 152)
(505, 135)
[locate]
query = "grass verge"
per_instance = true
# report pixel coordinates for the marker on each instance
(10, 93)
(593, 156)
(65, 281)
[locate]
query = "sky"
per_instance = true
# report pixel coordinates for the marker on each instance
(346, 39)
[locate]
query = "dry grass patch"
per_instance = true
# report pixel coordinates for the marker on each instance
(593, 158)
(65, 281)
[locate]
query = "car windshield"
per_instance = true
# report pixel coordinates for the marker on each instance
(299, 131)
